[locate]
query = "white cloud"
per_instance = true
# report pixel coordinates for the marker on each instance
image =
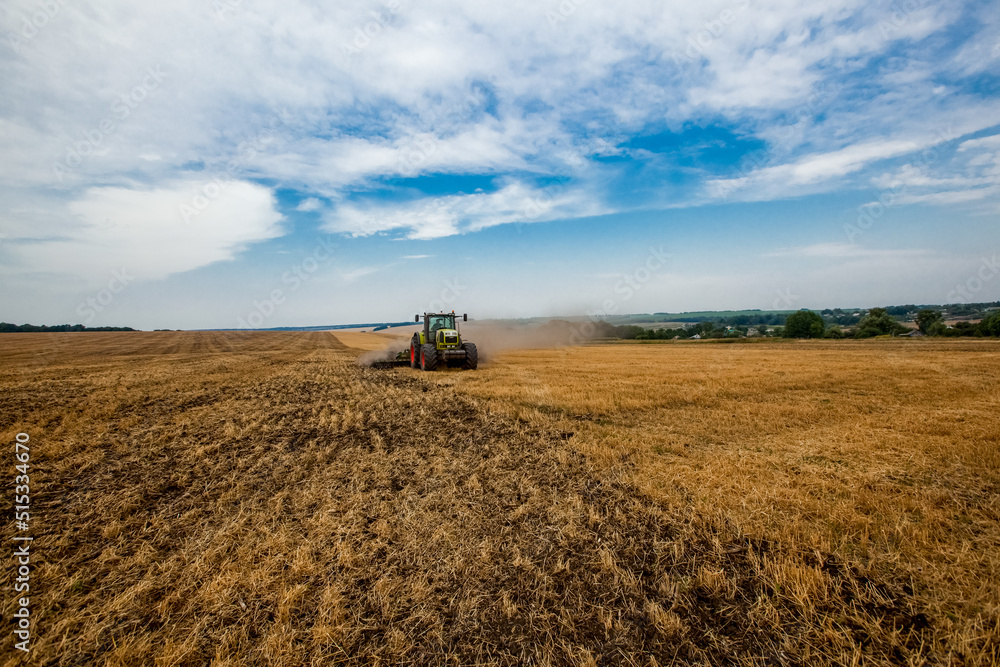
(949, 197)
(309, 204)
(444, 216)
(990, 143)
(971, 174)
(814, 168)
(843, 251)
(842, 162)
(354, 275)
(144, 231)
(922, 178)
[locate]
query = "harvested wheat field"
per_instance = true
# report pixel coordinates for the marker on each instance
(260, 498)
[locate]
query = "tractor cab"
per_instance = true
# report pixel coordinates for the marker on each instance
(435, 321)
(441, 329)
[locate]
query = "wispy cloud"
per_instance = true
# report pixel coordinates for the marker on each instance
(429, 218)
(354, 275)
(989, 143)
(308, 205)
(970, 173)
(843, 251)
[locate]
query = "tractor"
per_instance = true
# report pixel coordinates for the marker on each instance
(440, 343)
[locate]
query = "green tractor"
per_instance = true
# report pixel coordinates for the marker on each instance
(440, 343)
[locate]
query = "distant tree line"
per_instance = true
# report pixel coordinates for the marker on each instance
(848, 317)
(700, 329)
(7, 327)
(809, 324)
(734, 320)
(881, 322)
(931, 322)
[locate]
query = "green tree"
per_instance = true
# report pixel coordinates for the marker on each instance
(926, 318)
(991, 325)
(834, 332)
(804, 324)
(878, 322)
(964, 329)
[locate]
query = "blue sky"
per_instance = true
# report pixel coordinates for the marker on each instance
(218, 164)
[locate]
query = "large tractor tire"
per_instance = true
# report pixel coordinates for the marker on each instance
(414, 354)
(471, 362)
(428, 357)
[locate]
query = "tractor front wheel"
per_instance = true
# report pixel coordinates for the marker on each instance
(428, 357)
(471, 362)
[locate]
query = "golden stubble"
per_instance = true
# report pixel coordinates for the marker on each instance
(238, 498)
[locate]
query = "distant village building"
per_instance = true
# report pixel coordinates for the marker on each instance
(696, 337)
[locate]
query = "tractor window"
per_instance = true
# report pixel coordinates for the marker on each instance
(441, 322)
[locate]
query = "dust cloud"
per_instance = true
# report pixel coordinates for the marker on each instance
(372, 357)
(492, 338)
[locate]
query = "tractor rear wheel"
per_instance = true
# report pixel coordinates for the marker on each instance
(471, 362)
(414, 355)
(428, 357)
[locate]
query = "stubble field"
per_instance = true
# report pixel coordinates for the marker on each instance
(260, 498)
